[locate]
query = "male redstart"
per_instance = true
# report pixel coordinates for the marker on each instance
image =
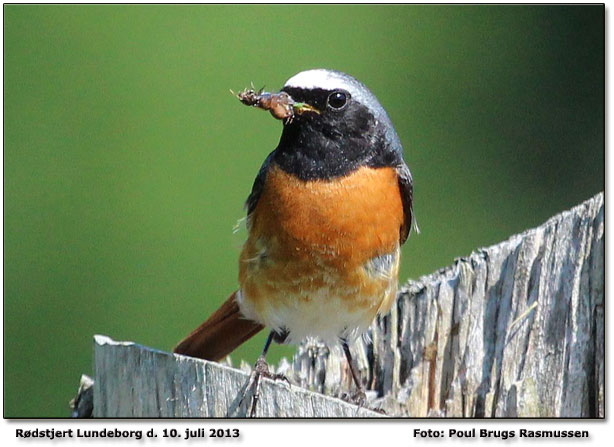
(326, 217)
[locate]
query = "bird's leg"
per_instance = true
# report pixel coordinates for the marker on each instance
(261, 369)
(359, 397)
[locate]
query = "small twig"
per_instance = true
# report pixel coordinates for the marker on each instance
(523, 315)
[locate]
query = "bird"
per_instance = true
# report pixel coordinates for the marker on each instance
(328, 212)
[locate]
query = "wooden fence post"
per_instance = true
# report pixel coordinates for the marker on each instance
(516, 329)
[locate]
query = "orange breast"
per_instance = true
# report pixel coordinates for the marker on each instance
(345, 221)
(310, 236)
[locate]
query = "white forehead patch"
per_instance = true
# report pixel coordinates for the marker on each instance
(331, 80)
(320, 78)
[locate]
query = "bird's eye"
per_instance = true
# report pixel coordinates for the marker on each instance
(337, 100)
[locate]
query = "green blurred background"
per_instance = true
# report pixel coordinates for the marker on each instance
(127, 161)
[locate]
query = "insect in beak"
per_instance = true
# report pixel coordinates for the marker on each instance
(281, 105)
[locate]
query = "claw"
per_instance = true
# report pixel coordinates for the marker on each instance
(359, 398)
(261, 369)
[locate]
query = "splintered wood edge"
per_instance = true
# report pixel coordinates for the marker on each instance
(123, 360)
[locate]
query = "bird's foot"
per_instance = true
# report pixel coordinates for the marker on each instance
(358, 398)
(261, 369)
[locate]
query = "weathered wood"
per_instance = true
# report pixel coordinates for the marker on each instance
(83, 404)
(516, 329)
(135, 381)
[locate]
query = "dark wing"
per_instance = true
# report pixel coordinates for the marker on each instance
(258, 185)
(407, 197)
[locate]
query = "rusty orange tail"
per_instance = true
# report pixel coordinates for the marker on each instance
(221, 334)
